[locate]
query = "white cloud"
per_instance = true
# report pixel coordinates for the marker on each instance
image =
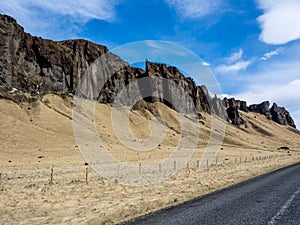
(195, 8)
(286, 94)
(236, 67)
(80, 11)
(295, 83)
(273, 72)
(275, 80)
(280, 21)
(57, 18)
(235, 56)
(234, 63)
(205, 64)
(270, 54)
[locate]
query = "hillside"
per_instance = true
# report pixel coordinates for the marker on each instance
(44, 128)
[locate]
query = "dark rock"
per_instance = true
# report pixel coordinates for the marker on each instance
(202, 99)
(174, 90)
(282, 116)
(283, 148)
(243, 106)
(233, 115)
(233, 106)
(36, 66)
(262, 108)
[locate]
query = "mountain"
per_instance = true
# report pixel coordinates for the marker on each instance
(32, 66)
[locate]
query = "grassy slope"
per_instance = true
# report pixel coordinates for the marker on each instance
(44, 129)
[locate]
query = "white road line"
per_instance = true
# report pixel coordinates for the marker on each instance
(280, 213)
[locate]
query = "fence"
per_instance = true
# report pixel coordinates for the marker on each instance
(84, 173)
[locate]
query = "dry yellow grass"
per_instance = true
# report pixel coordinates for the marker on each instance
(34, 137)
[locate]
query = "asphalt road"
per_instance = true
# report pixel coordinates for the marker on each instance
(270, 199)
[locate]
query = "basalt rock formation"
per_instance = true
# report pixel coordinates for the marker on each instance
(31, 66)
(34, 65)
(281, 115)
(176, 88)
(233, 106)
(262, 108)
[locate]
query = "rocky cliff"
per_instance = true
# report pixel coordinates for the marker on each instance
(281, 115)
(31, 66)
(34, 65)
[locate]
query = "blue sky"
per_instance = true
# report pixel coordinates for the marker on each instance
(252, 46)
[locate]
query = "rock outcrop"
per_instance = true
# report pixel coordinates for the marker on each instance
(281, 115)
(233, 106)
(262, 108)
(34, 65)
(276, 113)
(30, 66)
(176, 88)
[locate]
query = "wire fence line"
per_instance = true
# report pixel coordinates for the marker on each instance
(84, 173)
(149, 158)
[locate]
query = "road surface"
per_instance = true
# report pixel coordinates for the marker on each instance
(270, 199)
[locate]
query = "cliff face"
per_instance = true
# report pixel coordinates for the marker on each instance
(32, 66)
(195, 98)
(281, 115)
(262, 108)
(35, 65)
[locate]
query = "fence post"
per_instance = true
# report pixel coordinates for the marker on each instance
(140, 168)
(51, 176)
(86, 175)
(159, 166)
(188, 167)
(197, 164)
(0, 178)
(175, 165)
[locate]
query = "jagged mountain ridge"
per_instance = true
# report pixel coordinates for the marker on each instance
(31, 66)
